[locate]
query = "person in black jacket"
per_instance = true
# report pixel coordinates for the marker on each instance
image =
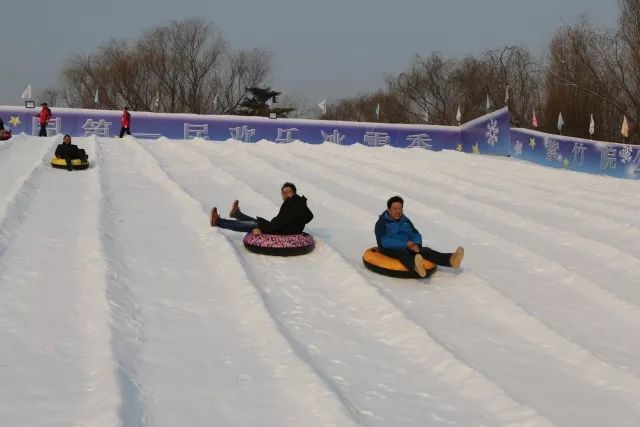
(291, 218)
(69, 151)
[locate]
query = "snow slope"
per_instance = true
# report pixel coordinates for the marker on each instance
(120, 306)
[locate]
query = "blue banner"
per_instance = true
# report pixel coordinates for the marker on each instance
(582, 155)
(106, 123)
(489, 134)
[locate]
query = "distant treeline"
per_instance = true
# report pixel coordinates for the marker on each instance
(187, 66)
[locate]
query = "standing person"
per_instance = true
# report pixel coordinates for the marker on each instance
(398, 238)
(291, 218)
(125, 122)
(43, 117)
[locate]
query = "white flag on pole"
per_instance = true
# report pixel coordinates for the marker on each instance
(95, 98)
(378, 111)
(323, 106)
(506, 95)
(459, 115)
(592, 126)
(625, 127)
(488, 104)
(426, 115)
(560, 121)
(27, 92)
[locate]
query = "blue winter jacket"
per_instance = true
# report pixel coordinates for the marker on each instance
(394, 234)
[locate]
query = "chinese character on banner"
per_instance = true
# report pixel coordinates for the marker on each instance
(421, 140)
(334, 137)
(285, 135)
(552, 146)
(97, 128)
(242, 133)
(578, 153)
(608, 158)
(376, 139)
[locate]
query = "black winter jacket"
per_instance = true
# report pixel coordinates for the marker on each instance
(69, 151)
(291, 219)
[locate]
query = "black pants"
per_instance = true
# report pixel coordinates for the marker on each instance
(43, 130)
(406, 257)
(69, 165)
(123, 130)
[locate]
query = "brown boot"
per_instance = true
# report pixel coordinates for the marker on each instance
(235, 208)
(456, 257)
(419, 265)
(214, 217)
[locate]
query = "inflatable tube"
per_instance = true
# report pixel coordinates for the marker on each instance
(279, 244)
(76, 163)
(376, 261)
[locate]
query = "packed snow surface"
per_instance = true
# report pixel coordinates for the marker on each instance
(121, 306)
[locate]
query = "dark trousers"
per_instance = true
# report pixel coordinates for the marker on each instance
(406, 257)
(69, 159)
(242, 222)
(43, 130)
(123, 130)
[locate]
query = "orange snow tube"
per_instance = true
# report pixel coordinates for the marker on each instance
(376, 261)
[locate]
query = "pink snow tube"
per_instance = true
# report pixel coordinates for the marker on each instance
(279, 244)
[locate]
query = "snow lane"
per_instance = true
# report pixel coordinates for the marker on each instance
(613, 345)
(462, 209)
(556, 242)
(593, 195)
(586, 366)
(532, 204)
(57, 367)
(448, 370)
(19, 161)
(188, 334)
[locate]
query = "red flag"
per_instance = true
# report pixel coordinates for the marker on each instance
(534, 119)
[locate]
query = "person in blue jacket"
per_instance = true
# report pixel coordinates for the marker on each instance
(398, 238)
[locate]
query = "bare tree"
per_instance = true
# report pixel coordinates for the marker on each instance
(429, 87)
(51, 96)
(185, 66)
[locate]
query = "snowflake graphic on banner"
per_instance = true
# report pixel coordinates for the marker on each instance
(517, 148)
(492, 132)
(626, 154)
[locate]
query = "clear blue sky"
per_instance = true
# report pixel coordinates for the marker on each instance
(322, 49)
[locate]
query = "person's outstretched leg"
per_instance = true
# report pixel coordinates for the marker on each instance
(411, 260)
(444, 259)
(227, 224)
(235, 213)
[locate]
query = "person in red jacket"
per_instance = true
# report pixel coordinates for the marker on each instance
(125, 122)
(43, 118)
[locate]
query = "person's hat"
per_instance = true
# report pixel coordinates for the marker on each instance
(43, 103)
